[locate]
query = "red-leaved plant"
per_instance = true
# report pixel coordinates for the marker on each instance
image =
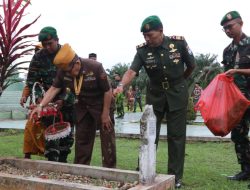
(13, 43)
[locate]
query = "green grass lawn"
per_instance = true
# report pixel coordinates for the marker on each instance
(206, 164)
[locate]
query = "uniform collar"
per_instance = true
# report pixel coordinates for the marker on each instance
(244, 39)
(166, 42)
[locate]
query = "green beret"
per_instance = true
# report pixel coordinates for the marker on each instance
(47, 33)
(151, 23)
(230, 16)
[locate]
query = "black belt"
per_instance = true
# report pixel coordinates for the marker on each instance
(167, 84)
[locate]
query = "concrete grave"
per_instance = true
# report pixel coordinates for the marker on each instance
(15, 181)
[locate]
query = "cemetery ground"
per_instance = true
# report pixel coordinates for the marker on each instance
(206, 164)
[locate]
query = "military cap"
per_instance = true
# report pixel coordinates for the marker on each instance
(47, 33)
(92, 55)
(230, 16)
(151, 23)
(64, 56)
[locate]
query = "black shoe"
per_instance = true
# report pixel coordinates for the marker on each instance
(242, 176)
(178, 184)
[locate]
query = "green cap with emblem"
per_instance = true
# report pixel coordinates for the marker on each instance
(47, 33)
(230, 16)
(151, 23)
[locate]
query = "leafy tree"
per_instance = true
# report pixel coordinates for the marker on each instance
(13, 43)
(118, 68)
(140, 80)
(207, 67)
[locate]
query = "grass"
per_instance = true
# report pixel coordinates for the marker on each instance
(206, 164)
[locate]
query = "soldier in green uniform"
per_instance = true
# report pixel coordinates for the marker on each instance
(236, 61)
(164, 59)
(119, 99)
(43, 70)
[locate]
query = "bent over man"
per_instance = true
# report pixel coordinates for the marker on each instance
(88, 81)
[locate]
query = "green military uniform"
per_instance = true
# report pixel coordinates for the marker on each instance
(43, 70)
(119, 99)
(168, 92)
(237, 56)
(137, 99)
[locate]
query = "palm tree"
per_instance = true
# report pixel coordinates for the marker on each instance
(13, 43)
(207, 67)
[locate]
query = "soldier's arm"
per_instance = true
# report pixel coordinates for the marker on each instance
(231, 72)
(188, 59)
(25, 95)
(33, 72)
(126, 80)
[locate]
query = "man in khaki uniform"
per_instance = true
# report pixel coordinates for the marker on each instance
(168, 62)
(88, 81)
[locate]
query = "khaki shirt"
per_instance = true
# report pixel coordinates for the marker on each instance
(95, 84)
(165, 66)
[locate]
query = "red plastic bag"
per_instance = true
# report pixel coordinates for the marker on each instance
(222, 105)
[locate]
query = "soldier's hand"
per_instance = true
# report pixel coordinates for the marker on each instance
(23, 100)
(118, 90)
(231, 72)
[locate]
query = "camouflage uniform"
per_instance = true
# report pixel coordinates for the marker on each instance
(238, 57)
(119, 99)
(43, 70)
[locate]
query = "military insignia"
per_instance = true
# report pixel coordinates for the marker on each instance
(189, 50)
(89, 74)
(150, 53)
(176, 37)
(150, 57)
(171, 46)
(68, 90)
(174, 55)
(229, 16)
(67, 78)
(147, 26)
(176, 61)
(141, 45)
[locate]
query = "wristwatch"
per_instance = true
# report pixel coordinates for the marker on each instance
(40, 105)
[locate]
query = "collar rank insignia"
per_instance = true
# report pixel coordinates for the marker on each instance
(176, 61)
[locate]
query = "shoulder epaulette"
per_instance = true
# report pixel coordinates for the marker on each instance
(141, 45)
(177, 37)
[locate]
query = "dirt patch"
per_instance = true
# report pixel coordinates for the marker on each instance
(9, 169)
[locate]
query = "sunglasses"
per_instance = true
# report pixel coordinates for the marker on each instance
(229, 27)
